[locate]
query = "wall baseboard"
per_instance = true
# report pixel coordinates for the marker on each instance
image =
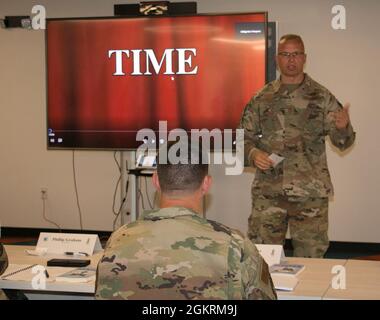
(35, 232)
(359, 248)
(335, 246)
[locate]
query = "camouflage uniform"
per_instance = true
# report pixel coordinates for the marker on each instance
(292, 124)
(173, 254)
(3, 266)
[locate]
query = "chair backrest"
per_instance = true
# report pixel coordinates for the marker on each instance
(3, 259)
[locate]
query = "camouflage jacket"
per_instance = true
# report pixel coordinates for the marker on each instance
(173, 253)
(293, 125)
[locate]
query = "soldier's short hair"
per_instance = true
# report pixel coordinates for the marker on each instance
(187, 172)
(291, 37)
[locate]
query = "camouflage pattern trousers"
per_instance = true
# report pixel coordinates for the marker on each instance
(307, 219)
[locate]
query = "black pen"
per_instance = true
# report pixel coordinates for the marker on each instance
(46, 274)
(69, 253)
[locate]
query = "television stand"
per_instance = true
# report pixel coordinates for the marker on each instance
(135, 175)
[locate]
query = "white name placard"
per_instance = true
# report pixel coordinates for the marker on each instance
(68, 243)
(272, 253)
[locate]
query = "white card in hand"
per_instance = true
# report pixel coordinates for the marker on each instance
(276, 159)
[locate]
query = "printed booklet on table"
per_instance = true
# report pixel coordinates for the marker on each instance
(287, 269)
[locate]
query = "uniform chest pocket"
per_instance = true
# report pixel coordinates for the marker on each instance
(313, 119)
(270, 121)
(313, 132)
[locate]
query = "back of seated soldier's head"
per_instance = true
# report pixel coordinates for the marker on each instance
(182, 167)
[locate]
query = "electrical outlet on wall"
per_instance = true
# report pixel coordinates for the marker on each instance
(44, 193)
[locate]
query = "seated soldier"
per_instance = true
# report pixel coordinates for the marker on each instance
(173, 253)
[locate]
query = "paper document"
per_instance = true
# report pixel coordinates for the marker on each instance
(27, 272)
(19, 272)
(287, 269)
(284, 283)
(85, 274)
(276, 159)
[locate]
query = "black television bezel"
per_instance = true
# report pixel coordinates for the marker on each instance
(265, 13)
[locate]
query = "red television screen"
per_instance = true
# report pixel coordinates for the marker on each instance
(107, 78)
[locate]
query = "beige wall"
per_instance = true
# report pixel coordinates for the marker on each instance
(344, 61)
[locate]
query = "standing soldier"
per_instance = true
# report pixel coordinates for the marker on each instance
(291, 117)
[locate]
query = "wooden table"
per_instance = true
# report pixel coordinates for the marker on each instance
(362, 282)
(315, 282)
(54, 290)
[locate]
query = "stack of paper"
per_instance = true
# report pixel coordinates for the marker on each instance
(287, 269)
(84, 274)
(19, 272)
(284, 276)
(284, 283)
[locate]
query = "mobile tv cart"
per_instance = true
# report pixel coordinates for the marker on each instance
(141, 9)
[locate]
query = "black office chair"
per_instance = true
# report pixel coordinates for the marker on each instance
(3, 259)
(10, 294)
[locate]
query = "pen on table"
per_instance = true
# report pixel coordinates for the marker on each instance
(70, 253)
(46, 274)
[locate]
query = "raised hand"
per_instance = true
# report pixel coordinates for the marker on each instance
(342, 117)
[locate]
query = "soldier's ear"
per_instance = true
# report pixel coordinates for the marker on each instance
(206, 184)
(156, 182)
(277, 67)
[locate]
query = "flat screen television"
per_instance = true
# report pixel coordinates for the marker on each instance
(108, 78)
